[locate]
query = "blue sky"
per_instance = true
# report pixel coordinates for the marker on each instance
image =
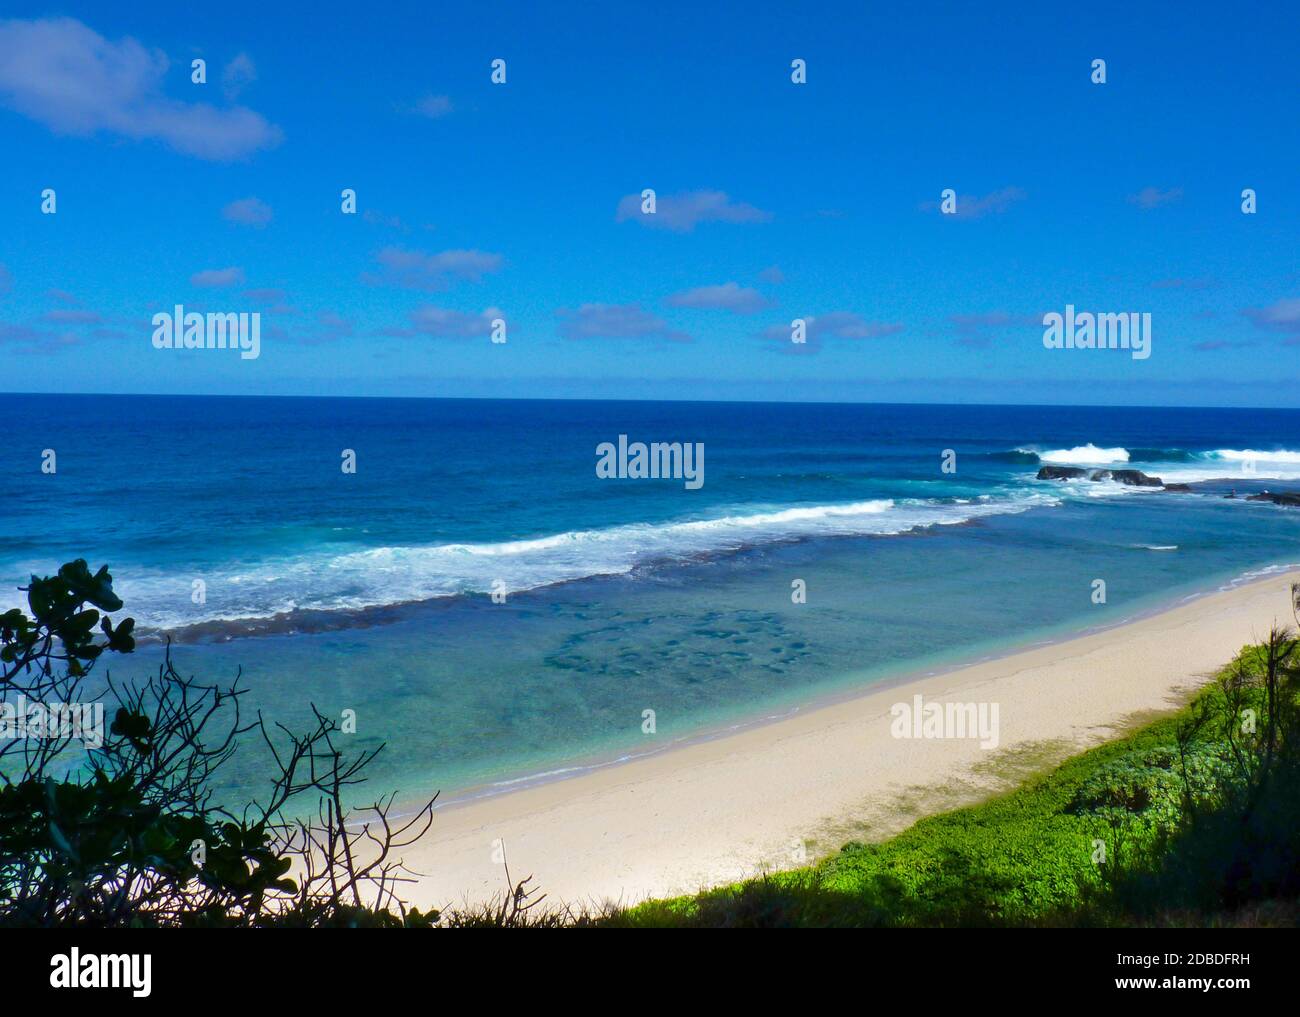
(776, 200)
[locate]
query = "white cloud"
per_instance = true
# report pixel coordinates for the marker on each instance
(681, 213)
(970, 206)
(616, 321)
(63, 74)
(420, 270)
(248, 212)
(833, 325)
(443, 323)
(727, 297)
(1284, 315)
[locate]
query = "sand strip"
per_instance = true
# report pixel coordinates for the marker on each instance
(719, 810)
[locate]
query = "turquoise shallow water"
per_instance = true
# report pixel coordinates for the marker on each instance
(468, 693)
(370, 592)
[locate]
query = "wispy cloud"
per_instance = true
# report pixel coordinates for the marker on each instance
(60, 329)
(335, 323)
(65, 75)
(265, 295)
(318, 330)
(216, 278)
(728, 296)
(970, 206)
(270, 300)
(977, 331)
(444, 323)
(325, 327)
(72, 317)
(26, 339)
(237, 75)
(681, 213)
(248, 212)
(818, 329)
(1282, 316)
(434, 107)
(616, 321)
(377, 218)
(420, 270)
(1153, 197)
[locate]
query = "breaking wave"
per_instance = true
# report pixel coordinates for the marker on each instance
(1174, 465)
(353, 581)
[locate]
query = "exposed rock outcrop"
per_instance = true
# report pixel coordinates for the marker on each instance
(1134, 478)
(1289, 498)
(1061, 473)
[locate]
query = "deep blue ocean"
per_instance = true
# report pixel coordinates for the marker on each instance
(371, 591)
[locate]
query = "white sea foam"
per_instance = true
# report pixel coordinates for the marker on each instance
(1220, 464)
(1235, 464)
(1085, 455)
(1240, 464)
(357, 579)
(1260, 573)
(1251, 455)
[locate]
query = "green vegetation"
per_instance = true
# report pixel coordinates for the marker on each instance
(118, 824)
(1198, 815)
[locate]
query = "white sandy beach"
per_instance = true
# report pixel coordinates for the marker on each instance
(716, 811)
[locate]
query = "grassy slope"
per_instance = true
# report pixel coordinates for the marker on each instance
(1024, 858)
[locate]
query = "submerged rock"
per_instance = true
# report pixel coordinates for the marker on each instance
(1178, 488)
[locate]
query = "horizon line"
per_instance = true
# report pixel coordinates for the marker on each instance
(593, 399)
